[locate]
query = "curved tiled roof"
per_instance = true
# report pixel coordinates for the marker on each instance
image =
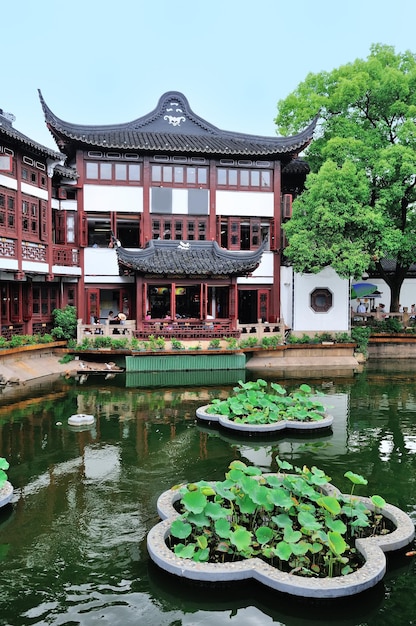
(296, 166)
(7, 130)
(188, 259)
(173, 127)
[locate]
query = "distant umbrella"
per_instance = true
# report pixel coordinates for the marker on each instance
(362, 290)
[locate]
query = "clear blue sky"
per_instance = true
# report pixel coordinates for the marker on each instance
(102, 62)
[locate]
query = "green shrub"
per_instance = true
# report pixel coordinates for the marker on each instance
(17, 341)
(66, 358)
(271, 341)
(231, 342)
(326, 337)
(134, 343)
(360, 335)
(214, 343)
(119, 344)
(102, 342)
(249, 342)
(343, 338)
(176, 344)
(65, 321)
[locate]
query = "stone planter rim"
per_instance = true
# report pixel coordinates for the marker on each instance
(373, 550)
(223, 421)
(6, 493)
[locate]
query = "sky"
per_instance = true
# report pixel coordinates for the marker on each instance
(101, 62)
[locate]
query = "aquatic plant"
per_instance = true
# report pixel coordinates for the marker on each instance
(254, 402)
(296, 521)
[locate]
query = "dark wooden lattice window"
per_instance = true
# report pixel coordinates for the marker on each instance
(321, 300)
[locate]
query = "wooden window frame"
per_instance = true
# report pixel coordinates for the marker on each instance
(328, 297)
(194, 227)
(235, 178)
(169, 175)
(114, 178)
(8, 211)
(230, 233)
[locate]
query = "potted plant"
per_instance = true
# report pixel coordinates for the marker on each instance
(232, 343)
(214, 344)
(6, 489)
(292, 531)
(176, 344)
(258, 408)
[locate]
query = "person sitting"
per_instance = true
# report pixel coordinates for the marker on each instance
(98, 331)
(361, 308)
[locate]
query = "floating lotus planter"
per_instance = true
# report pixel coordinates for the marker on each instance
(295, 533)
(256, 409)
(81, 419)
(6, 488)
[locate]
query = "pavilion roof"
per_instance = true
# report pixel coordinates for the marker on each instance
(172, 127)
(188, 259)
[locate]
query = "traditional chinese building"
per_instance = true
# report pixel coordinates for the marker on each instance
(166, 216)
(37, 274)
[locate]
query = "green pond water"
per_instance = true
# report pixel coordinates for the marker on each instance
(73, 540)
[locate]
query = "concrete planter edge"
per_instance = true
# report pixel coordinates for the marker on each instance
(373, 550)
(260, 429)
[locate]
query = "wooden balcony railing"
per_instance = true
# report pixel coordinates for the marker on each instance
(66, 256)
(187, 329)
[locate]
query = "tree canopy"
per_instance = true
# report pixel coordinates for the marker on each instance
(358, 208)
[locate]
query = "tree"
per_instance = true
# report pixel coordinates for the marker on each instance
(65, 323)
(358, 210)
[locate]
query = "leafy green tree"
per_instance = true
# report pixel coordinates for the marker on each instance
(359, 203)
(65, 323)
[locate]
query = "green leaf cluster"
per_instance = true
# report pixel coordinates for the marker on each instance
(256, 402)
(4, 465)
(292, 520)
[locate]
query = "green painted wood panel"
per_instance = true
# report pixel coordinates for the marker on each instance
(185, 362)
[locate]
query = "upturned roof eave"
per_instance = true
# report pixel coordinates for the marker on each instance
(15, 135)
(216, 260)
(133, 135)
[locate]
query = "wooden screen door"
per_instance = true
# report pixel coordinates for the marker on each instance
(93, 305)
(263, 304)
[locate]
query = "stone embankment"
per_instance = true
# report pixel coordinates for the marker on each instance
(20, 365)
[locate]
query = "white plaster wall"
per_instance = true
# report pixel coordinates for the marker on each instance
(31, 190)
(37, 267)
(64, 269)
(179, 201)
(9, 264)
(109, 198)
(305, 319)
(100, 262)
(407, 293)
(286, 295)
(263, 274)
(9, 183)
(244, 203)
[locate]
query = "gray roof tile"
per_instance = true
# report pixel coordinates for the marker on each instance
(173, 127)
(188, 259)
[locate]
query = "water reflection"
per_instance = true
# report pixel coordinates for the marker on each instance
(72, 546)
